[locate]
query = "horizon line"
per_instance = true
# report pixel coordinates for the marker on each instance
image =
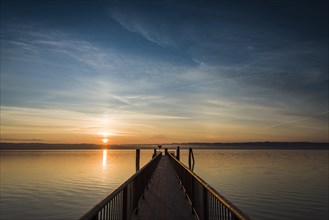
(177, 143)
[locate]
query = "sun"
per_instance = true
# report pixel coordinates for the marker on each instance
(105, 140)
(105, 135)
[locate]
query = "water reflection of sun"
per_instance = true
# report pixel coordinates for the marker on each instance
(104, 158)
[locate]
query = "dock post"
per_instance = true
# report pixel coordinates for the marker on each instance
(191, 160)
(177, 153)
(166, 151)
(154, 153)
(137, 159)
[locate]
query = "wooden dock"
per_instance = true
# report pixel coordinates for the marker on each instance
(164, 189)
(164, 198)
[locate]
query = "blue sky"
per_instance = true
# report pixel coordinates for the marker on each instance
(164, 71)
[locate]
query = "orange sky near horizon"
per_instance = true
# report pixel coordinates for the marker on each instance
(52, 126)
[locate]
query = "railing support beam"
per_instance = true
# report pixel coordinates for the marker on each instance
(124, 204)
(205, 204)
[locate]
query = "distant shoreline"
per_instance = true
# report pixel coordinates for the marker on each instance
(219, 146)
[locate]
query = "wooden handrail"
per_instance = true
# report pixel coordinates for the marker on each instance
(232, 208)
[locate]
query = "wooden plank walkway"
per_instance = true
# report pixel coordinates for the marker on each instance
(164, 199)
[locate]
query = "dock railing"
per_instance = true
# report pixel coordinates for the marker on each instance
(206, 202)
(123, 201)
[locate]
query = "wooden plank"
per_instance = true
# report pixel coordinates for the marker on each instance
(164, 199)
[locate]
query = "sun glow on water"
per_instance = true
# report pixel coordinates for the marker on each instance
(104, 158)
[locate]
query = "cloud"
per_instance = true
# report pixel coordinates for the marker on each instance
(201, 33)
(129, 17)
(16, 139)
(69, 68)
(300, 119)
(224, 35)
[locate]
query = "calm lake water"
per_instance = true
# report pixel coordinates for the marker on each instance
(265, 184)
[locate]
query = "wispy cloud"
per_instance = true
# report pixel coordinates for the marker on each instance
(140, 25)
(299, 119)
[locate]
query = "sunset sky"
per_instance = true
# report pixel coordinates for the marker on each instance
(164, 71)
